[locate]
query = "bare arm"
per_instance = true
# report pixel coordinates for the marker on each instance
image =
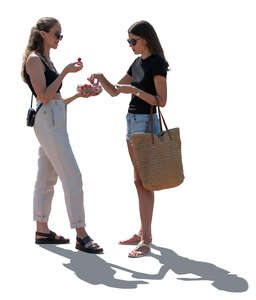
(125, 80)
(109, 87)
(35, 69)
(83, 94)
(70, 99)
(161, 91)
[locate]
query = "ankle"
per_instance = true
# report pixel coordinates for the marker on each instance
(146, 238)
(42, 227)
(81, 232)
(139, 233)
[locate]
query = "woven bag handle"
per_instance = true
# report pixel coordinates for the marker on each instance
(151, 123)
(165, 125)
(160, 115)
(151, 117)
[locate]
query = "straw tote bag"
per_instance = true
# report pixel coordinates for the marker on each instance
(158, 157)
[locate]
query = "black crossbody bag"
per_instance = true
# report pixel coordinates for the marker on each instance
(32, 113)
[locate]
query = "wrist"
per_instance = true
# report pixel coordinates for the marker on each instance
(136, 92)
(63, 74)
(100, 76)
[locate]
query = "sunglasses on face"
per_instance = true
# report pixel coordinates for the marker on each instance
(132, 41)
(58, 36)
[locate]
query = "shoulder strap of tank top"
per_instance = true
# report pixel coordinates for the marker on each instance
(46, 64)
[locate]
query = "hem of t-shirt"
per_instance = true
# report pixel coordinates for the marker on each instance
(141, 112)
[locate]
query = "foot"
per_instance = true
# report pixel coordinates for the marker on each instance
(50, 237)
(87, 244)
(141, 250)
(134, 240)
(57, 237)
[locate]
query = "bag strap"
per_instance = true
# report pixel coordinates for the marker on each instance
(161, 118)
(31, 100)
(165, 125)
(151, 124)
(39, 106)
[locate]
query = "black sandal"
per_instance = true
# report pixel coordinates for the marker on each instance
(93, 248)
(50, 238)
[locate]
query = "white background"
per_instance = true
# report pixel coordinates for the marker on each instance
(206, 227)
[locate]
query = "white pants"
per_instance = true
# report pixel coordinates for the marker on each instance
(56, 159)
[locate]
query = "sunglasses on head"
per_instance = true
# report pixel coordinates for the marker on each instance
(58, 36)
(132, 41)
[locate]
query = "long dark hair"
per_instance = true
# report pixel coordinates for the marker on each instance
(146, 31)
(35, 41)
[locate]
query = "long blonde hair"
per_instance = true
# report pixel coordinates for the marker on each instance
(35, 42)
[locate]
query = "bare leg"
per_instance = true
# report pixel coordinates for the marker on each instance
(146, 205)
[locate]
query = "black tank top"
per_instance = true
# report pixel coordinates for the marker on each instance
(50, 76)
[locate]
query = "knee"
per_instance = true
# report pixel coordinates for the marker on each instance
(138, 182)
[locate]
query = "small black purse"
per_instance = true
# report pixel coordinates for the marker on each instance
(32, 113)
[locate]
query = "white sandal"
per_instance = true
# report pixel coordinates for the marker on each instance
(143, 253)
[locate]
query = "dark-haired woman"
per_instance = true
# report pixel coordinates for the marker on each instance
(146, 81)
(56, 158)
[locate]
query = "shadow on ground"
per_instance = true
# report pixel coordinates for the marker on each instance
(95, 270)
(92, 268)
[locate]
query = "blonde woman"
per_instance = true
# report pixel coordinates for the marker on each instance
(56, 158)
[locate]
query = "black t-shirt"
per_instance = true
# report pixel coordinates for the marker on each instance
(142, 72)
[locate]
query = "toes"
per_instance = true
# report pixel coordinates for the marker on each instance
(140, 251)
(135, 253)
(57, 237)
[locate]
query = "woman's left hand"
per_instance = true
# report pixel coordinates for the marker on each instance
(85, 94)
(125, 88)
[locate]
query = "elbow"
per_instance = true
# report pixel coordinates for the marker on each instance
(42, 98)
(45, 96)
(114, 94)
(162, 104)
(45, 101)
(161, 101)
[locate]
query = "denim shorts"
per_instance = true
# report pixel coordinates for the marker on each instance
(137, 123)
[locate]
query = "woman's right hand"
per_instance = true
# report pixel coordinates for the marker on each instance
(97, 76)
(73, 67)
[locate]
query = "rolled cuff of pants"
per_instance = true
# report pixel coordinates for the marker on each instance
(41, 219)
(78, 224)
